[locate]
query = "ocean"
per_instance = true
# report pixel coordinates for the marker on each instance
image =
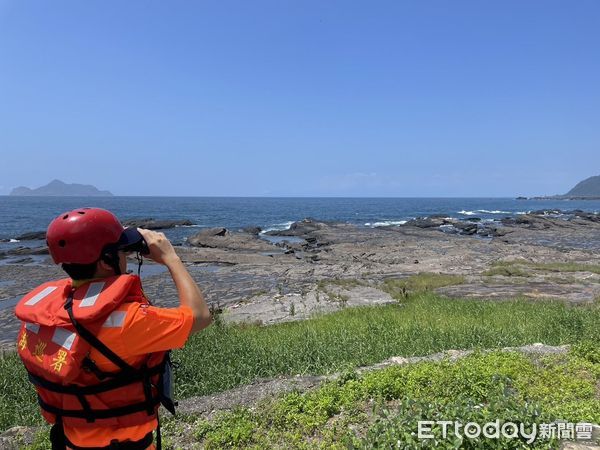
(24, 214)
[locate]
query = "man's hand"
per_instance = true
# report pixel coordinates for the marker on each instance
(161, 250)
(190, 295)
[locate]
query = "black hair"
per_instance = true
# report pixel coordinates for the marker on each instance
(80, 271)
(110, 255)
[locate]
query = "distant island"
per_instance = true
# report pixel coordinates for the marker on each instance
(57, 188)
(588, 189)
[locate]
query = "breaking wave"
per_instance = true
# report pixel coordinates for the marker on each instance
(278, 227)
(482, 211)
(387, 223)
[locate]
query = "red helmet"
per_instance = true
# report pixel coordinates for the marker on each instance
(78, 236)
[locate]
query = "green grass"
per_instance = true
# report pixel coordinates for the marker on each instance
(420, 283)
(225, 356)
(518, 268)
(324, 286)
(562, 280)
(507, 271)
(17, 397)
(567, 267)
(381, 408)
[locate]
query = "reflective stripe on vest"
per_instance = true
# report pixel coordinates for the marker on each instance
(92, 294)
(115, 319)
(40, 296)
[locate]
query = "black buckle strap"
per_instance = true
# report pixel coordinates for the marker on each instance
(118, 381)
(57, 435)
(85, 405)
(96, 414)
(142, 444)
(89, 365)
(148, 394)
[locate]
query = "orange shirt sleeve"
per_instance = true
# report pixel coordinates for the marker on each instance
(149, 329)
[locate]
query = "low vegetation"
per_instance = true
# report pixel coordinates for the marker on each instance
(566, 267)
(507, 271)
(519, 268)
(420, 284)
(380, 409)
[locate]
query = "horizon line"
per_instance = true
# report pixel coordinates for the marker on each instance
(513, 197)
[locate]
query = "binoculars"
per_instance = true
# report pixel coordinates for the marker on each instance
(132, 241)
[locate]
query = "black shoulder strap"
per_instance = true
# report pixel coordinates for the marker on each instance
(95, 342)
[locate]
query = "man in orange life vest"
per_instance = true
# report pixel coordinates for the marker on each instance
(94, 347)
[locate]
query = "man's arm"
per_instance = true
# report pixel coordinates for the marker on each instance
(190, 295)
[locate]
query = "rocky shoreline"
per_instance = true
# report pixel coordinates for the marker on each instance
(315, 266)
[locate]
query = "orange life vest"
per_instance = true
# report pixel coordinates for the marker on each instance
(59, 328)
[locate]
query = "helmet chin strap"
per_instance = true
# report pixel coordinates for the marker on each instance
(111, 257)
(140, 261)
(114, 263)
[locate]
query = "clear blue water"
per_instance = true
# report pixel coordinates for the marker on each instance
(23, 214)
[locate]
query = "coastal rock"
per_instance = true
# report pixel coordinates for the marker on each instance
(24, 260)
(546, 212)
(252, 230)
(574, 294)
(551, 220)
(27, 251)
(593, 217)
(427, 222)
(493, 231)
(531, 221)
(32, 236)
(300, 228)
(224, 239)
(154, 224)
(209, 232)
(292, 246)
(205, 238)
(15, 437)
(465, 228)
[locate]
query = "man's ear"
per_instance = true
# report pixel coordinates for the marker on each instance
(102, 265)
(104, 269)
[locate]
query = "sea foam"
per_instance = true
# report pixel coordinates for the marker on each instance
(278, 227)
(387, 223)
(482, 211)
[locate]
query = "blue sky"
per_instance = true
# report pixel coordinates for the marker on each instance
(301, 98)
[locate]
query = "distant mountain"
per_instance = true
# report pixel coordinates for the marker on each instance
(57, 188)
(586, 188)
